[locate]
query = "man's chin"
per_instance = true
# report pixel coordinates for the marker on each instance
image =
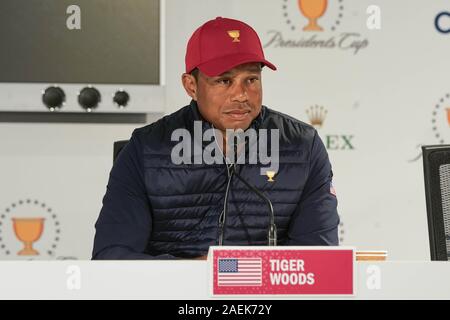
(236, 125)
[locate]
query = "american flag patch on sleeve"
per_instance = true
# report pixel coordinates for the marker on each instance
(332, 190)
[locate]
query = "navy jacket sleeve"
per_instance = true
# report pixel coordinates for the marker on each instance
(315, 220)
(125, 221)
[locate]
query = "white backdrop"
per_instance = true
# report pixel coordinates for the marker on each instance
(379, 106)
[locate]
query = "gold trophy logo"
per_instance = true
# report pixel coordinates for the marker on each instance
(313, 10)
(235, 35)
(270, 175)
(28, 230)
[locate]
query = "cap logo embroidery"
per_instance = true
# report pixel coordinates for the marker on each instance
(235, 35)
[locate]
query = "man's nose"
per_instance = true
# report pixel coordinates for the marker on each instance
(239, 92)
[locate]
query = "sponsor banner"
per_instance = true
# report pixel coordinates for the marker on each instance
(333, 141)
(315, 24)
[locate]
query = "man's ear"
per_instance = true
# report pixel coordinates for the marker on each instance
(190, 85)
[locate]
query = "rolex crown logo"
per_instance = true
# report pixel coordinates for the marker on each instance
(235, 35)
(317, 115)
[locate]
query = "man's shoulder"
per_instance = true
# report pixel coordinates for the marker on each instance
(296, 136)
(289, 126)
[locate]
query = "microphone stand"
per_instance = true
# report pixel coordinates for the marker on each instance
(222, 217)
(272, 232)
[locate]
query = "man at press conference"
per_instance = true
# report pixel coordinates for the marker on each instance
(158, 208)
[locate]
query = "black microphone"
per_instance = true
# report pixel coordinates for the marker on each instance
(272, 232)
(223, 214)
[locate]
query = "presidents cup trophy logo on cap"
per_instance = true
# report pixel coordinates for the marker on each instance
(29, 229)
(235, 35)
(312, 24)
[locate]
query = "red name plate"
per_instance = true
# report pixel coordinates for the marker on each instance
(282, 271)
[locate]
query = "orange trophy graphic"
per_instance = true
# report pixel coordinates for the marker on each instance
(448, 116)
(235, 35)
(28, 230)
(313, 10)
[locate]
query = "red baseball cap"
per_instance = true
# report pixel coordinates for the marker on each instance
(222, 44)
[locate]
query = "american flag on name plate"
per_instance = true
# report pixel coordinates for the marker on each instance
(239, 272)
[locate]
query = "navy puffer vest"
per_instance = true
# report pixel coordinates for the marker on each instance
(187, 199)
(154, 207)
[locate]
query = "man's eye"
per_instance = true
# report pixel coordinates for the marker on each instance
(223, 81)
(252, 80)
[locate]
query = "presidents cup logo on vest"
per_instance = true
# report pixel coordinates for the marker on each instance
(333, 141)
(315, 24)
(29, 229)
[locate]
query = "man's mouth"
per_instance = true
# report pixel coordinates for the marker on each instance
(238, 115)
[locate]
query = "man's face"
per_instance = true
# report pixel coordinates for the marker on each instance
(231, 100)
